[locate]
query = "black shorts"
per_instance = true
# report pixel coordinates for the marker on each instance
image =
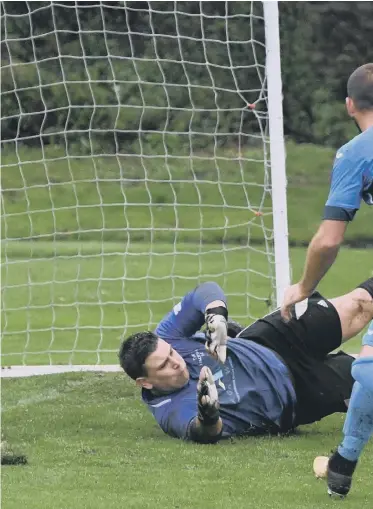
(322, 380)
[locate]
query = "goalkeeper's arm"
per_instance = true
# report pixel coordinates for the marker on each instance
(216, 316)
(207, 426)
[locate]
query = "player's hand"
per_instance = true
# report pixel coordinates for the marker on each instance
(208, 402)
(293, 295)
(217, 335)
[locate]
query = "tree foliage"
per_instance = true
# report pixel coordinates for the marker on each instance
(85, 70)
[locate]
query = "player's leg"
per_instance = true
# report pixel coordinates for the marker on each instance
(355, 309)
(362, 368)
(358, 427)
(233, 328)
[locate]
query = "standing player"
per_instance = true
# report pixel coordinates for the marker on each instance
(351, 182)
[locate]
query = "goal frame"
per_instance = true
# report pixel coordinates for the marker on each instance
(277, 163)
(277, 148)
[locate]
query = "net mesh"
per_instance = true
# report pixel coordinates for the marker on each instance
(134, 166)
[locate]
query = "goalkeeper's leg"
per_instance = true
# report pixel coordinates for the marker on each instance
(234, 328)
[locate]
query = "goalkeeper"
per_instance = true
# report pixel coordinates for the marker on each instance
(271, 378)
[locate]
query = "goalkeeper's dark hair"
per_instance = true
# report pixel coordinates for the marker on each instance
(134, 351)
(360, 87)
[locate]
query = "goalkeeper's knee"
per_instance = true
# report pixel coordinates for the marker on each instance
(234, 328)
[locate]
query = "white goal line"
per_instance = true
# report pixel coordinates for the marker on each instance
(24, 371)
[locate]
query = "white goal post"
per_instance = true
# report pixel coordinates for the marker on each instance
(142, 154)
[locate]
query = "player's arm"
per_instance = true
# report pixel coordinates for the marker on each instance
(321, 254)
(188, 316)
(192, 416)
(207, 426)
(343, 202)
(341, 206)
(216, 319)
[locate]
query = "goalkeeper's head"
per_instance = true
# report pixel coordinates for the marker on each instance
(152, 362)
(359, 100)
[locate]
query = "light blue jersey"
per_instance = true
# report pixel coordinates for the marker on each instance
(352, 182)
(255, 394)
(352, 178)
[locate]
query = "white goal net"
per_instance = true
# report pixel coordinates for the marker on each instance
(135, 165)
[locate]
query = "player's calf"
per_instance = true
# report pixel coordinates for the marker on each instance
(339, 477)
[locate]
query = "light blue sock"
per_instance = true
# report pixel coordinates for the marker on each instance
(358, 425)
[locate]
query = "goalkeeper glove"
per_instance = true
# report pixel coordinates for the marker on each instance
(208, 402)
(216, 332)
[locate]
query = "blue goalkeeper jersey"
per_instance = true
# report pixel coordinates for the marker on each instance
(254, 386)
(352, 178)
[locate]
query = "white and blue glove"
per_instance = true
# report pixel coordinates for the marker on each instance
(208, 401)
(217, 332)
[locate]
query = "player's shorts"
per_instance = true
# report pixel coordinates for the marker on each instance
(368, 336)
(322, 380)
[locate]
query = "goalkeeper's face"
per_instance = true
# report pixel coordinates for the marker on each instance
(166, 369)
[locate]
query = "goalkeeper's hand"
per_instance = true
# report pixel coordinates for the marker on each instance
(208, 401)
(216, 332)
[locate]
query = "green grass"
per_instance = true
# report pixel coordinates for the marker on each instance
(127, 198)
(89, 440)
(89, 299)
(60, 288)
(69, 302)
(92, 444)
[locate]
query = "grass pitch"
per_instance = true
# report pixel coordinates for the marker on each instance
(92, 444)
(90, 441)
(71, 302)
